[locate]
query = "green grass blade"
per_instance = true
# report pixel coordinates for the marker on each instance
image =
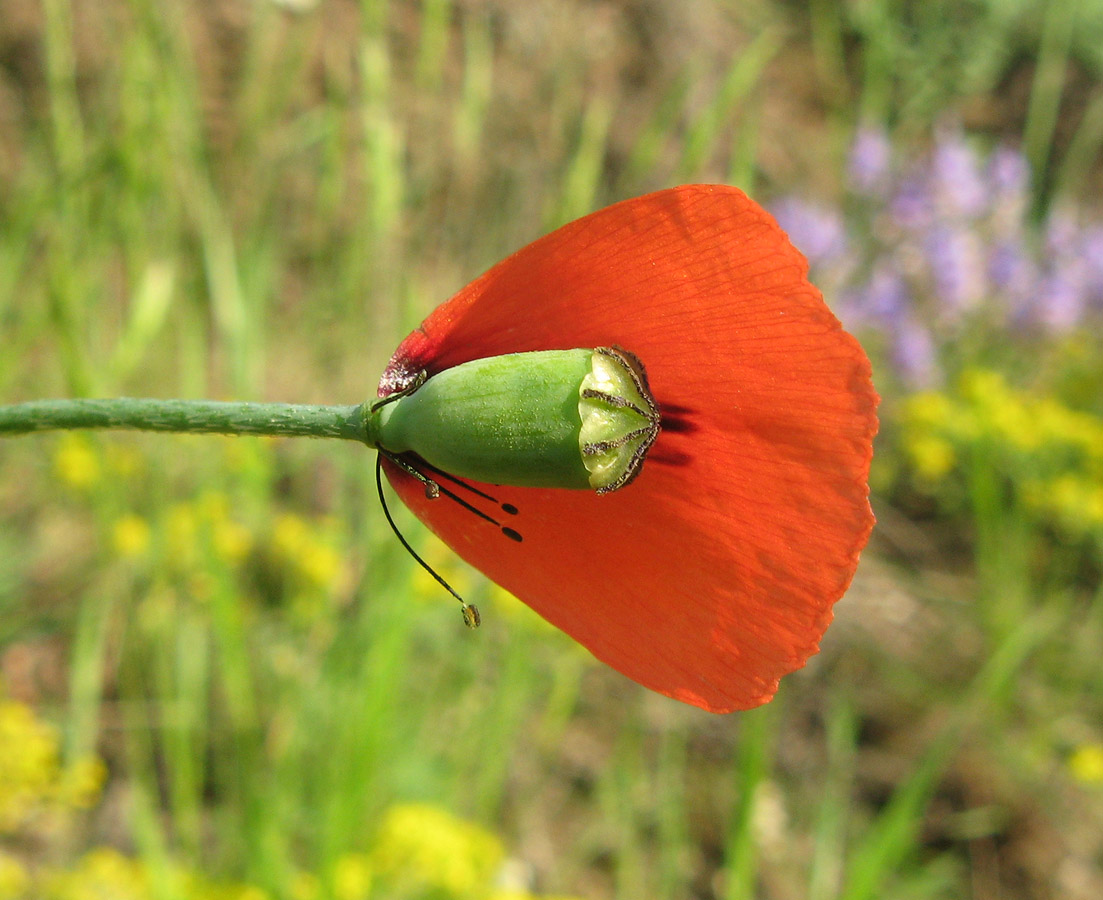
(829, 848)
(436, 19)
(583, 176)
(1058, 29)
(742, 77)
(753, 764)
(892, 838)
(1083, 150)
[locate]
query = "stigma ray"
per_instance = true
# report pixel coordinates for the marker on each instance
(617, 401)
(601, 446)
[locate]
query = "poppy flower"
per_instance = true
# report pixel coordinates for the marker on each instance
(712, 570)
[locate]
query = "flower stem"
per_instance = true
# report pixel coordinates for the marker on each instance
(188, 416)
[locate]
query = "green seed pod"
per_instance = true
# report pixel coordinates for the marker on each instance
(553, 418)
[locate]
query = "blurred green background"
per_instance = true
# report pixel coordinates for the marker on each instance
(220, 677)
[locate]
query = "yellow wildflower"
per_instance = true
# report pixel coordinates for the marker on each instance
(423, 847)
(100, 873)
(933, 456)
(1086, 763)
(213, 506)
(1015, 422)
(28, 764)
(192, 527)
(181, 532)
(14, 879)
(525, 895)
(1076, 501)
(1053, 455)
(352, 877)
(929, 408)
(203, 891)
(984, 387)
(232, 541)
(289, 535)
(305, 886)
(320, 565)
(130, 536)
(76, 462)
(1076, 429)
(32, 780)
(81, 782)
(297, 544)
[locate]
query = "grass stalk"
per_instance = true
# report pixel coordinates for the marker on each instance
(1083, 150)
(833, 819)
(583, 176)
(739, 82)
(891, 838)
(752, 768)
(1058, 28)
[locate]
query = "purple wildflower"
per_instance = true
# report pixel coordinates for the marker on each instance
(1062, 230)
(885, 296)
(960, 191)
(1060, 300)
(914, 354)
(928, 248)
(1008, 265)
(1008, 176)
(868, 165)
(911, 204)
(849, 305)
(1014, 274)
(957, 268)
(1008, 172)
(819, 232)
(1091, 252)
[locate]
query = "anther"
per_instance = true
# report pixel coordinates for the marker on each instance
(471, 617)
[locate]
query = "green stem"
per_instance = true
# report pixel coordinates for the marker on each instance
(188, 416)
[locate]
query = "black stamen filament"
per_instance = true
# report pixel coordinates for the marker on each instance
(471, 615)
(507, 508)
(433, 490)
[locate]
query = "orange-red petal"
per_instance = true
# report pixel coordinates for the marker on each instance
(714, 573)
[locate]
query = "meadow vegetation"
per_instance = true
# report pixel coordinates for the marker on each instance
(220, 677)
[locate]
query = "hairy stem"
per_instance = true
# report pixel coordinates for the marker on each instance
(188, 417)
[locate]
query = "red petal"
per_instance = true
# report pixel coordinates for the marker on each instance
(714, 573)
